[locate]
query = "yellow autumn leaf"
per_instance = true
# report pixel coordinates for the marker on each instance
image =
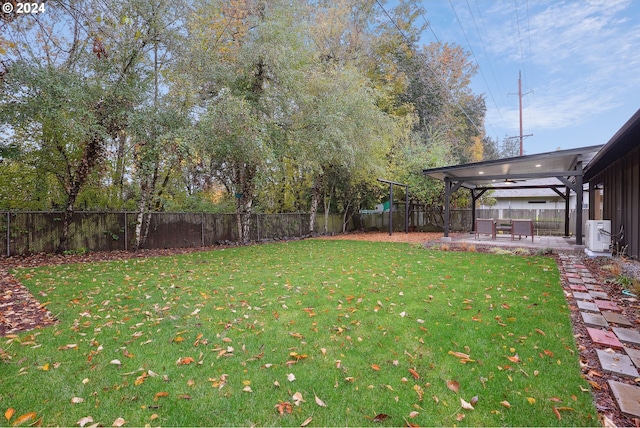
(9, 413)
(160, 394)
(24, 418)
(531, 400)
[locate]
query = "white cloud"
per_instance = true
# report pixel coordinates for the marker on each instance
(580, 58)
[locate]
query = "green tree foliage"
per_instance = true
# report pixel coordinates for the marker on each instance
(229, 104)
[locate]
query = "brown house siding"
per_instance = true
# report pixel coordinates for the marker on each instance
(621, 198)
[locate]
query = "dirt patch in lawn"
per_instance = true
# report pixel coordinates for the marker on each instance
(413, 237)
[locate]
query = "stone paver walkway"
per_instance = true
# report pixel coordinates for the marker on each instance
(615, 337)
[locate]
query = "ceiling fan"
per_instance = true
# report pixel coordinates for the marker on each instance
(511, 180)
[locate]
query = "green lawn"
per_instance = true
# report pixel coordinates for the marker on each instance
(357, 330)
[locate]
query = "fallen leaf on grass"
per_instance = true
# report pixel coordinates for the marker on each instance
(115, 362)
(306, 422)
(9, 413)
(557, 410)
(291, 377)
(184, 361)
(297, 398)
(540, 332)
(474, 400)
(465, 405)
(375, 367)
(464, 358)
(83, 421)
(160, 394)
(514, 359)
(453, 385)
(140, 379)
(531, 400)
(77, 400)
(506, 404)
(25, 418)
(460, 417)
(380, 417)
(118, 422)
(418, 389)
(319, 402)
(414, 373)
(69, 346)
(284, 407)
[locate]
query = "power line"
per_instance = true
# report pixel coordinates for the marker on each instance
(427, 22)
(482, 43)
(474, 55)
(436, 75)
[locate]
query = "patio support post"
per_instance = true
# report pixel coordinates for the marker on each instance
(447, 198)
(566, 213)
(390, 209)
(406, 207)
(473, 210)
(449, 189)
(474, 198)
(579, 196)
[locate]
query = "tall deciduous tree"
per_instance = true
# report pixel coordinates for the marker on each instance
(340, 128)
(69, 92)
(247, 57)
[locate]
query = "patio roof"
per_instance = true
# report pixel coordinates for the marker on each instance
(513, 172)
(565, 166)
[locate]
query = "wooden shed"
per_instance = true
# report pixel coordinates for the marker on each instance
(614, 185)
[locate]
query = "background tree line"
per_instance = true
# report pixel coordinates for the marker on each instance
(230, 106)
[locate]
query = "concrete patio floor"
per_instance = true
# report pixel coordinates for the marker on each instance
(558, 243)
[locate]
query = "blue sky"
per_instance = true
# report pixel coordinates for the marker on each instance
(580, 63)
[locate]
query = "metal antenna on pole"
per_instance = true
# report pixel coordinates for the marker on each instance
(521, 137)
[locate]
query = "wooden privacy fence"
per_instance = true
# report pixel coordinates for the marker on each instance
(39, 232)
(545, 222)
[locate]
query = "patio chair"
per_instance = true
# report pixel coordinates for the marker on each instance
(521, 227)
(485, 226)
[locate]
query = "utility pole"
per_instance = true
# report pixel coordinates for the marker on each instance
(520, 104)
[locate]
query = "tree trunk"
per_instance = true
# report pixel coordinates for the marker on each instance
(327, 208)
(316, 194)
(147, 190)
(348, 213)
(90, 157)
(245, 174)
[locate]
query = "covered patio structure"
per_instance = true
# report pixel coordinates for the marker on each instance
(565, 166)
